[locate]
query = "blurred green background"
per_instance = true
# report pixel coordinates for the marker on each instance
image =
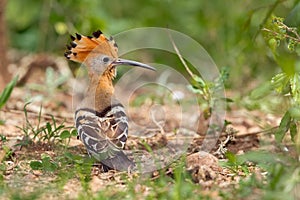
(228, 30)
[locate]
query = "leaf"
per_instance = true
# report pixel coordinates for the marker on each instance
(277, 176)
(283, 127)
(45, 157)
(273, 44)
(261, 91)
(293, 18)
(232, 159)
(293, 130)
(49, 166)
(223, 77)
(7, 91)
(74, 157)
(226, 123)
(36, 165)
(262, 158)
(74, 132)
(227, 100)
(295, 112)
(199, 80)
(295, 87)
(287, 62)
(61, 126)
(65, 134)
(195, 90)
(49, 128)
(279, 82)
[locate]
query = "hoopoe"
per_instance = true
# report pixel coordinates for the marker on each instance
(100, 118)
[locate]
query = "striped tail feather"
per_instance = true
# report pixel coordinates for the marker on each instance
(119, 162)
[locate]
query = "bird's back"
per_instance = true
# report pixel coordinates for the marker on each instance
(104, 133)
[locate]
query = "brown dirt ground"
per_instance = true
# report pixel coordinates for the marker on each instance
(245, 133)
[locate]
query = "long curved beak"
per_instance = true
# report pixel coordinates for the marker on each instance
(120, 61)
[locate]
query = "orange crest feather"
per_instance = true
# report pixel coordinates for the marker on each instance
(82, 47)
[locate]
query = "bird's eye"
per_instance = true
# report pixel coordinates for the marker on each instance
(105, 59)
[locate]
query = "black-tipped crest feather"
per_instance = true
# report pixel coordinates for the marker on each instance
(97, 33)
(78, 36)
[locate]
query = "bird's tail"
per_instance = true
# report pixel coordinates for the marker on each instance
(119, 162)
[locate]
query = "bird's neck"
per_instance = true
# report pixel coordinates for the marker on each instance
(101, 90)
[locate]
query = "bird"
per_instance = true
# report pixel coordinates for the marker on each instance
(100, 118)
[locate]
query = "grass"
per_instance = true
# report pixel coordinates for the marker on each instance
(46, 166)
(63, 171)
(51, 132)
(5, 94)
(275, 176)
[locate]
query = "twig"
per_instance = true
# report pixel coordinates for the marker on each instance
(257, 132)
(285, 35)
(222, 146)
(269, 13)
(207, 137)
(289, 29)
(180, 56)
(45, 116)
(157, 123)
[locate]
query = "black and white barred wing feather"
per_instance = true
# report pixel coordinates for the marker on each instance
(104, 134)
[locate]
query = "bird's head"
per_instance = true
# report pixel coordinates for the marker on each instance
(98, 53)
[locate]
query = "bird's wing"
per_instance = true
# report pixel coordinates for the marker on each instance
(104, 134)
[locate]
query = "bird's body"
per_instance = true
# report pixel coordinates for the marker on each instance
(100, 118)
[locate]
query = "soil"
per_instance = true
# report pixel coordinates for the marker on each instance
(164, 137)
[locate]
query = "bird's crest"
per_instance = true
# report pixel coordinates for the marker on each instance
(81, 47)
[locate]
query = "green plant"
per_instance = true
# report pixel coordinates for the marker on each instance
(279, 37)
(280, 181)
(175, 185)
(276, 32)
(4, 96)
(282, 169)
(235, 164)
(46, 164)
(7, 152)
(207, 91)
(3, 138)
(51, 132)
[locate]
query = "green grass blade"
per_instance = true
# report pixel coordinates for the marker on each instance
(7, 91)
